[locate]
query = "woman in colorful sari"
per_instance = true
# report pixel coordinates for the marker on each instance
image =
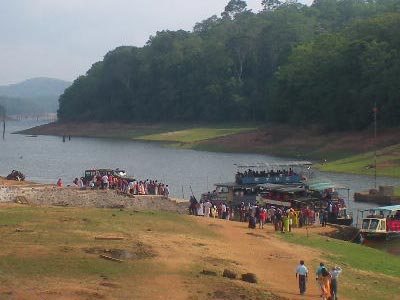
(285, 223)
(324, 281)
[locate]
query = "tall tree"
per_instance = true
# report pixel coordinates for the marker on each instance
(234, 8)
(269, 5)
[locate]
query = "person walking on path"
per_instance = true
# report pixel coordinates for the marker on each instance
(334, 281)
(302, 272)
(324, 280)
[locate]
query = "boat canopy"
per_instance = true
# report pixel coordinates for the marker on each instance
(275, 165)
(282, 187)
(235, 185)
(381, 208)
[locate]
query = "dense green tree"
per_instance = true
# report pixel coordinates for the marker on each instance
(234, 8)
(325, 64)
(334, 80)
(269, 5)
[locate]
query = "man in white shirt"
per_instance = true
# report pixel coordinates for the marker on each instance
(207, 208)
(334, 281)
(302, 272)
(80, 183)
(104, 179)
(223, 211)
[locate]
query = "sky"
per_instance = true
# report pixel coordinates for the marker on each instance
(63, 38)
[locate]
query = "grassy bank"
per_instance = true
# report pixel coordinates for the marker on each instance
(387, 163)
(170, 133)
(371, 271)
(194, 135)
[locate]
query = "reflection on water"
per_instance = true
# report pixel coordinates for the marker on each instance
(46, 158)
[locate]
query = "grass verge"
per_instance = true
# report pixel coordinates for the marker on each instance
(387, 161)
(195, 134)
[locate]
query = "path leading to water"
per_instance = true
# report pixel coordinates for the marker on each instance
(271, 259)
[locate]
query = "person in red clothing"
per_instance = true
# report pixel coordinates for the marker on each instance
(263, 218)
(59, 182)
(219, 210)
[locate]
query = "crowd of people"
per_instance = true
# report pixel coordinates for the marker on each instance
(123, 184)
(282, 218)
(264, 173)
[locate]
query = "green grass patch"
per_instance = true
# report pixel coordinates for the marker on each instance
(61, 265)
(195, 134)
(387, 160)
(54, 241)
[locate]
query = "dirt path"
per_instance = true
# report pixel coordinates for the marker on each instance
(271, 259)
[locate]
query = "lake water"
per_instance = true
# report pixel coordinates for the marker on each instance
(46, 158)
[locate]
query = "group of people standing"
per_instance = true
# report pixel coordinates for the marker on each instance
(207, 209)
(327, 280)
(283, 219)
(125, 185)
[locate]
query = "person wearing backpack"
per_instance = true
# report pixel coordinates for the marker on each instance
(323, 280)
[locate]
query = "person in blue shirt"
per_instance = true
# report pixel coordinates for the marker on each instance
(302, 273)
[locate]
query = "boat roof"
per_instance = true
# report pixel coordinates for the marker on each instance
(272, 165)
(388, 208)
(289, 188)
(236, 185)
(272, 186)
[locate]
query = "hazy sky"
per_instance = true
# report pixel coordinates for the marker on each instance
(63, 38)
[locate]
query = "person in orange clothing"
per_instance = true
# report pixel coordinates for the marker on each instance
(324, 281)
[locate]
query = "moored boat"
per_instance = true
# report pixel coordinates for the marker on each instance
(381, 223)
(282, 185)
(334, 203)
(252, 180)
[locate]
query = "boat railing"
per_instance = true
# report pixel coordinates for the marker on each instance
(278, 179)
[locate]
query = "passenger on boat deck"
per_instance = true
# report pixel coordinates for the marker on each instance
(271, 173)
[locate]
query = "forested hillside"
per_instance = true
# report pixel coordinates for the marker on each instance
(326, 64)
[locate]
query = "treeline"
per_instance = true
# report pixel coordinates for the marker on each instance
(326, 64)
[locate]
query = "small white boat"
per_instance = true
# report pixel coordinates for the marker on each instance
(381, 223)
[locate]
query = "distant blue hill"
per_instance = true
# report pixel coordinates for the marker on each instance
(32, 95)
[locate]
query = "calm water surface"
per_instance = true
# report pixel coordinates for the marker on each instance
(46, 158)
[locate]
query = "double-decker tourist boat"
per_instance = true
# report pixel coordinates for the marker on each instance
(251, 180)
(283, 185)
(381, 222)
